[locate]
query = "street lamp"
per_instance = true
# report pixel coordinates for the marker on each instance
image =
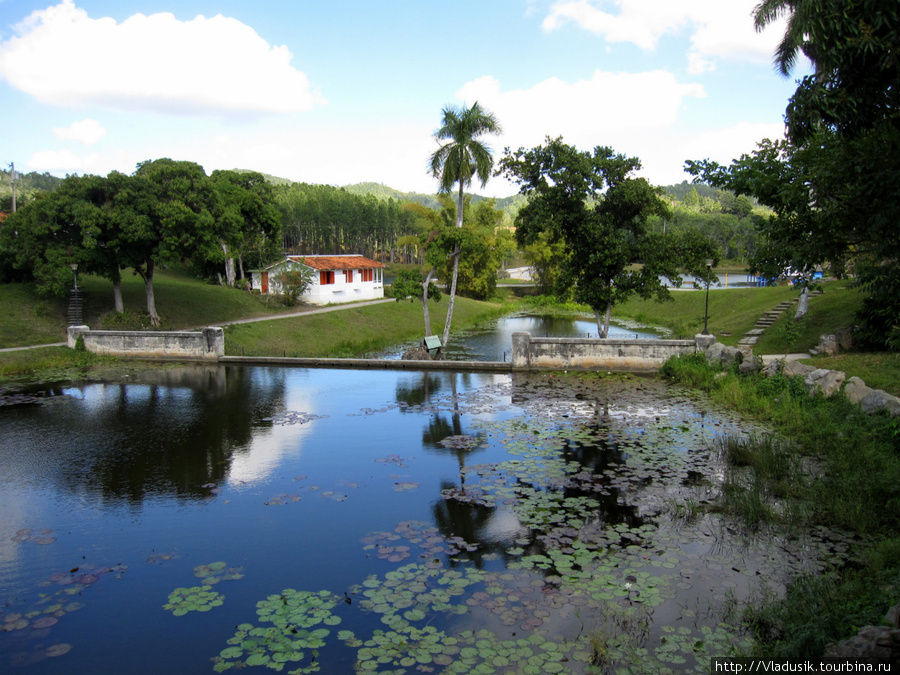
(709, 264)
(75, 275)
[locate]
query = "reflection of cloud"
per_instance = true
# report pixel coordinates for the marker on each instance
(269, 447)
(62, 56)
(503, 525)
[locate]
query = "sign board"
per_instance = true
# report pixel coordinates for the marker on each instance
(432, 342)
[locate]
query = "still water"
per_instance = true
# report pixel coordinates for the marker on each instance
(493, 341)
(199, 519)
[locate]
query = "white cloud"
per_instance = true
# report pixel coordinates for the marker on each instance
(584, 112)
(724, 145)
(152, 63)
(87, 131)
(66, 161)
(717, 28)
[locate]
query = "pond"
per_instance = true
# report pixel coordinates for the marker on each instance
(200, 519)
(493, 341)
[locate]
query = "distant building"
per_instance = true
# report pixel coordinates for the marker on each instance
(338, 278)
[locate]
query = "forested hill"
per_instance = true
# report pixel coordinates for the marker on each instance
(26, 185)
(431, 201)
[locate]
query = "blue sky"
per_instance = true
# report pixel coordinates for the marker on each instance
(342, 91)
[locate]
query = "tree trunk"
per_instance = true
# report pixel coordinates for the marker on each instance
(241, 268)
(425, 311)
(451, 302)
(148, 288)
(802, 304)
(229, 266)
(117, 295)
(603, 321)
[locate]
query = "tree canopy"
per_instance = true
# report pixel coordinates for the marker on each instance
(834, 184)
(592, 202)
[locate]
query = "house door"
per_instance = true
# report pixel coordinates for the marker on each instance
(265, 282)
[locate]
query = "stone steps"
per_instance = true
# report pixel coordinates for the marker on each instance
(768, 318)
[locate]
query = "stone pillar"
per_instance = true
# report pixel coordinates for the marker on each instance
(521, 348)
(704, 342)
(215, 341)
(72, 333)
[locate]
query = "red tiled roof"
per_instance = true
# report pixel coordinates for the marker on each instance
(336, 262)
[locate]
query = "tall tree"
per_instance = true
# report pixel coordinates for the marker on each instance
(592, 203)
(247, 217)
(835, 183)
(78, 223)
(173, 202)
(462, 156)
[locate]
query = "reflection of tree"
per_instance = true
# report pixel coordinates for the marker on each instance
(417, 393)
(167, 431)
(467, 520)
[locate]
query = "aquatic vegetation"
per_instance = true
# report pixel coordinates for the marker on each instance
(215, 572)
(193, 599)
(292, 613)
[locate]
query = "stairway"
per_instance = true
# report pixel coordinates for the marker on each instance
(751, 337)
(76, 302)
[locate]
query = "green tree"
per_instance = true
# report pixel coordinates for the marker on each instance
(462, 157)
(409, 284)
(296, 281)
(173, 203)
(590, 201)
(78, 223)
(835, 183)
(248, 221)
(485, 244)
(545, 258)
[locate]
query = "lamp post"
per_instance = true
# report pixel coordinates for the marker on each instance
(709, 264)
(75, 276)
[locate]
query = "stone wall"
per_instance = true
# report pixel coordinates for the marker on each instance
(595, 354)
(205, 345)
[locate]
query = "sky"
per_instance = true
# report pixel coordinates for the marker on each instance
(349, 91)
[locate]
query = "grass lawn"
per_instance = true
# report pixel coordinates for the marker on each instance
(352, 331)
(182, 302)
(879, 370)
(732, 312)
(832, 310)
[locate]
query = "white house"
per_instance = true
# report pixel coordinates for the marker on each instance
(337, 278)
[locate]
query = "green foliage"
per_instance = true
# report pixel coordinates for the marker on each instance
(545, 258)
(248, 222)
(482, 247)
(879, 313)
(408, 284)
(692, 370)
(591, 202)
(834, 184)
(322, 219)
(295, 282)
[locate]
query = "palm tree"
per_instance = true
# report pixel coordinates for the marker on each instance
(795, 39)
(462, 157)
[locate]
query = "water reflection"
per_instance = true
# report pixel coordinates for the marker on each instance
(493, 341)
(538, 491)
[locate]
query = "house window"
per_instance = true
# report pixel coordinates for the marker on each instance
(326, 278)
(366, 275)
(348, 276)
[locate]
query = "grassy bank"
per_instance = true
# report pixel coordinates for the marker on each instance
(181, 300)
(839, 469)
(731, 312)
(354, 331)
